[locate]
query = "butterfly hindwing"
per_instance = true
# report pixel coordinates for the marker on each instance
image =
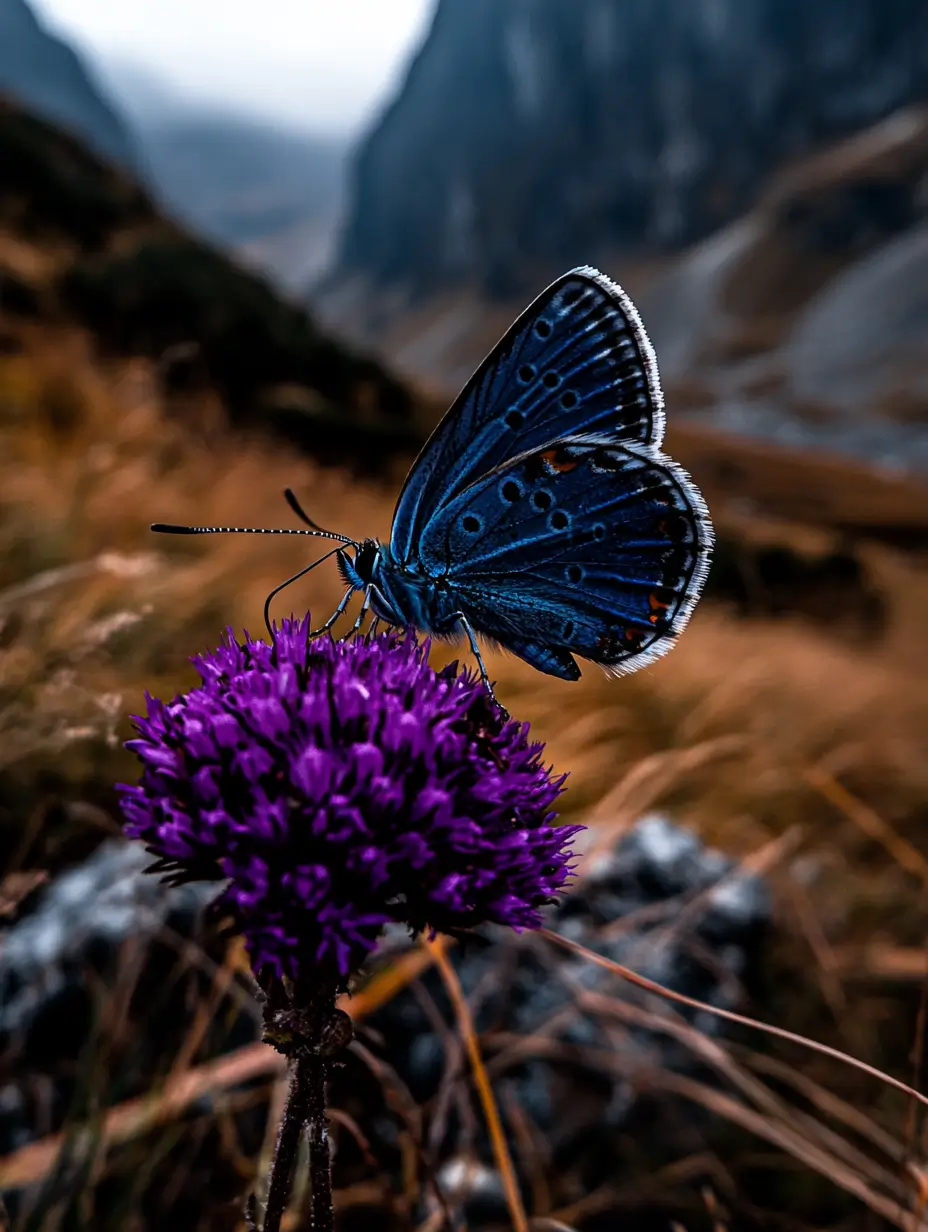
(577, 361)
(598, 550)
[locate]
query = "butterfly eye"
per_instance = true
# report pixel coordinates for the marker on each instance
(543, 328)
(526, 374)
(569, 399)
(510, 491)
(551, 380)
(542, 500)
(471, 523)
(574, 573)
(515, 419)
(559, 520)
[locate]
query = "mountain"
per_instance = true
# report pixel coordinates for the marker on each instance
(83, 246)
(47, 75)
(262, 191)
(269, 193)
(752, 171)
(530, 135)
(804, 322)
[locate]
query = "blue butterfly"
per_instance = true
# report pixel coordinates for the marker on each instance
(541, 514)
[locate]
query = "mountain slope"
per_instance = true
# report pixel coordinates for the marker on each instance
(269, 193)
(46, 75)
(250, 186)
(82, 245)
(537, 135)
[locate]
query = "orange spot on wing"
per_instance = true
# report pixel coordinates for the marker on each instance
(559, 461)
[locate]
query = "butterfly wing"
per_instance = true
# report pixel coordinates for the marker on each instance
(577, 361)
(577, 548)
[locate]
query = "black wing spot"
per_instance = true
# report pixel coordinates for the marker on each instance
(676, 527)
(568, 630)
(599, 532)
(526, 374)
(515, 419)
(551, 380)
(542, 499)
(607, 461)
(574, 573)
(559, 520)
(471, 523)
(510, 491)
(543, 328)
(569, 399)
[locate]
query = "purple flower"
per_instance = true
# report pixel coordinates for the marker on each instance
(340, 785)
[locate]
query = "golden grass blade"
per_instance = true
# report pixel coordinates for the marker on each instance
(501, 1154)
(868, 820)
(652, 776)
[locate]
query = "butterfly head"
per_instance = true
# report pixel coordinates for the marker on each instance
(358, 570)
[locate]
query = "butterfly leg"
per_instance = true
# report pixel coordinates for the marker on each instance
(472, 638)
(365, 607)
(343, 603)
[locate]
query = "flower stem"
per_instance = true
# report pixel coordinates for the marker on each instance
(296, 1111)
(322, 1216)
(310, 1036)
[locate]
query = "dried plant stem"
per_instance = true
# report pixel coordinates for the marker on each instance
(436, 948)
(642, 981)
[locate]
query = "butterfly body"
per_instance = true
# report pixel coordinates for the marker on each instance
(542, 513)
(400, 595)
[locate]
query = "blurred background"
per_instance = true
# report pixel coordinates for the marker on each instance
(247, 246)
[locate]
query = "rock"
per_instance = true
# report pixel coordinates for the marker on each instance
(660, 902)
(83, 917)
(862, 344)
(103, 925)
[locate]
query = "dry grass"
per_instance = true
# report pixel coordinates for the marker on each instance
(743, 732)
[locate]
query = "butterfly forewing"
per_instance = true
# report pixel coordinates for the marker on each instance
(595, 550)
(577, 361)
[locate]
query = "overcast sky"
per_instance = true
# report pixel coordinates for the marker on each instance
(320, 64)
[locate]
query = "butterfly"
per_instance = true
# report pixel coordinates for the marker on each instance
(541, 514)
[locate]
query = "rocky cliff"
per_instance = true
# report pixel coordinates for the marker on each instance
(47, 76)
(533, 134)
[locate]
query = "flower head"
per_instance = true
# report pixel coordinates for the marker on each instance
(338, 786)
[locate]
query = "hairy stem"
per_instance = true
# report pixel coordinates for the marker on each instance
(296, 1113)
(322, 1215)
(309, 1035)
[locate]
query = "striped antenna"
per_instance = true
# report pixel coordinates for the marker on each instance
(168, 528)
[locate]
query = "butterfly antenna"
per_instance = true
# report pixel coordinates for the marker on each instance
(290, 498)
(289, 582)
(168, 528)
